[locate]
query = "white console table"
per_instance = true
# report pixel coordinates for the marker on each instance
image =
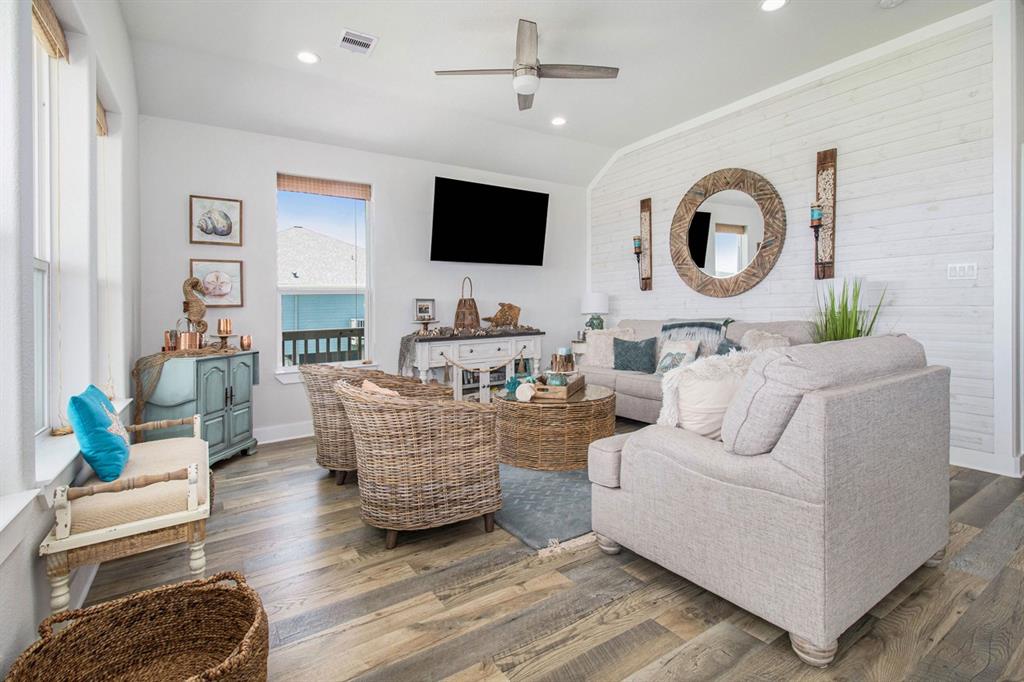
(476, 353)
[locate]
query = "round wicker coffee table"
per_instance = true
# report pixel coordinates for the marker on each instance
(554, 436)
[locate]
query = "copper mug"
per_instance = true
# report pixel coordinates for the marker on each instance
(190, 341)
(245, 342)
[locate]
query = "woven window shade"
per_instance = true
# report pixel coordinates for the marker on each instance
(101, 118)
(47, 29)
(730, 229)
(331, 188)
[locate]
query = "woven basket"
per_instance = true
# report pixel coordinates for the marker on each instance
(197, 630)
(466, 314)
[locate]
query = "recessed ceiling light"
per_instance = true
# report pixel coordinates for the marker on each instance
(308, 57)
(772, 5)
(558, 121)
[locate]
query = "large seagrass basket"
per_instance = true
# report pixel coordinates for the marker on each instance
(198, 630)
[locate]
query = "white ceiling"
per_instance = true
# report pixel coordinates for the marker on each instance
(232, 63)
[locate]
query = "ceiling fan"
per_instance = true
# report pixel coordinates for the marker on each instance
(526, 71)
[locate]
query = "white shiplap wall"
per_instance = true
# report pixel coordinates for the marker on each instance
(914, 134)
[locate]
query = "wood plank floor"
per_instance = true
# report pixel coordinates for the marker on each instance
(458, 604)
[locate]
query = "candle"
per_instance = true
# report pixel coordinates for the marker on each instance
(224, 326)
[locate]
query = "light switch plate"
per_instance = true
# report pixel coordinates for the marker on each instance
(962, 271)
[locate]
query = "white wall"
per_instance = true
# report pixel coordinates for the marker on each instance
(100, 48)
(179, 159)
(914, 130)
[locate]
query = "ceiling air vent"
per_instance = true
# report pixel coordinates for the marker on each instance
(361, 43)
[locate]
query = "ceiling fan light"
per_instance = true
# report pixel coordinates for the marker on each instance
(772, 5)
(526, 84)
(308, 57)
(558, 121)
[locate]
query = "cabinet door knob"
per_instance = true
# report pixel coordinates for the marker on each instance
(470, 350)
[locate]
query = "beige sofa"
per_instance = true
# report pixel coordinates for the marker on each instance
(638, 395)
(850, 500)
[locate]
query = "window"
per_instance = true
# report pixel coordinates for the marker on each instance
(322, 230)
(43, 97)
(730, 249)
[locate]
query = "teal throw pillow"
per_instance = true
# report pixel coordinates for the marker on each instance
(636, 356)
(101, 436)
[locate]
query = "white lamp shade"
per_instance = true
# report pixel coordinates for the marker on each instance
(594, 302)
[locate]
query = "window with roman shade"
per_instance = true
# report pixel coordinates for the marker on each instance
(322, 235)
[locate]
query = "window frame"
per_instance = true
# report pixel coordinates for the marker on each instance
(290, 373)
(44, 147)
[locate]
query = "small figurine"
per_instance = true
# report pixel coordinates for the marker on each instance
(507, 316)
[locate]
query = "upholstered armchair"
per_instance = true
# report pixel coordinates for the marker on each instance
(423, 462)
(335, 450)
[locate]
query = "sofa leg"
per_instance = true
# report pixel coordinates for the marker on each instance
(812, 654)
(936, 558)
(391, 540)
(607, 545)
(489, 522)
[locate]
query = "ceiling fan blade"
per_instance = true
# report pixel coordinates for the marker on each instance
(526, 43)
(474, 72)
(525, 102)
(576, 71)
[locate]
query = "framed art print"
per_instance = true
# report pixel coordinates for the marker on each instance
(222, 281)
(214, 220)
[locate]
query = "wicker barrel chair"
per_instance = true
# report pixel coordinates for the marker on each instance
(423, 462)
(335, 450)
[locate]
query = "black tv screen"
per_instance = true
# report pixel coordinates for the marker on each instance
(476, 223)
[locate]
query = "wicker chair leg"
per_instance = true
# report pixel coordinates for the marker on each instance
(391, 540)
(340, 477)
(489, 522)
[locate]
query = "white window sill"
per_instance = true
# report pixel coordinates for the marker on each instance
(12, 531)
(291, 375)
(55, 453)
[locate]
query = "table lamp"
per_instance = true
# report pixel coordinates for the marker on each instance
(594, 304)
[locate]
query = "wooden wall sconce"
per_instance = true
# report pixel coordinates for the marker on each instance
(642, 247)
(823, 216)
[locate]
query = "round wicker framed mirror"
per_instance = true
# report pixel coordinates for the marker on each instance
(717, 248)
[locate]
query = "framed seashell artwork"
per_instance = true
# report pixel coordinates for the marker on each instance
(221, 280)
(214, 220)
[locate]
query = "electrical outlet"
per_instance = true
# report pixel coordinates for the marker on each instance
(962, 271)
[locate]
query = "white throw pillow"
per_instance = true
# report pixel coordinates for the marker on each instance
(756, 339)
(696, 396)
(600, 345)
(676, 354)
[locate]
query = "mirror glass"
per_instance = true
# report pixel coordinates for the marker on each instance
(726, 233)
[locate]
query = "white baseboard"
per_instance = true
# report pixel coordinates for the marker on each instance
(985, 461)
(280, 432)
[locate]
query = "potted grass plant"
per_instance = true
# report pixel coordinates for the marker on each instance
(840, 316)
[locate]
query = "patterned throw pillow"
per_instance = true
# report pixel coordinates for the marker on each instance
(710, 333)
(676, 354)
(636, 356)
(101, 436)
(600, 351)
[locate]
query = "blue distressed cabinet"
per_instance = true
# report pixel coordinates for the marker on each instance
(217, 387)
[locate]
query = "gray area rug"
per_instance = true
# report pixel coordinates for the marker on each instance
(540, 506)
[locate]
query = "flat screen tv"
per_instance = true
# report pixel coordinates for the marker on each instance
(476, 223)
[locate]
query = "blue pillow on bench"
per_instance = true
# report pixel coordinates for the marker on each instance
(101, 436)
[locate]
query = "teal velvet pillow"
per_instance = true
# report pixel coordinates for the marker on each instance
(101, 437)
(636, 356)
